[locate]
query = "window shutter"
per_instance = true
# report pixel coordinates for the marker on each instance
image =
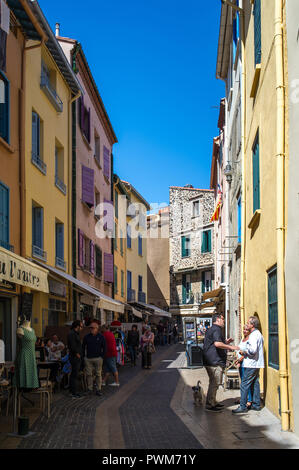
(129, 240)
(92, 267)
(4, 108)
(122, 283)
(139, 245)
(109, 215)
(129, 279)
(116, 203)
(35, 134)
(81, 114)
(106, 163)
(60, 241)
(209, 234)
(139, 283)
(4, 214)
(98, 261)
(184, 290)
(256, 176)
(88, 186)
(257, 31)
(183, 241)
(115, 279)
(108, 267)
(203, 243)
(88, 126)
(80, 248)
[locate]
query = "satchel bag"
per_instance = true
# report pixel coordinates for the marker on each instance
(151, 348)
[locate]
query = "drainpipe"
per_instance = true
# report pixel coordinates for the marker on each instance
(280, 215)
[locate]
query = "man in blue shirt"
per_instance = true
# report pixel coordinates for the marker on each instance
(94, 349)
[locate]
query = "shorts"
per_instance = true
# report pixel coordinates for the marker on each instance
(110, 364)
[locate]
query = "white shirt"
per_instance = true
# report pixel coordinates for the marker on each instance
(254, 349)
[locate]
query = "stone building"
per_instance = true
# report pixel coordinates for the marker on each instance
(191, 256)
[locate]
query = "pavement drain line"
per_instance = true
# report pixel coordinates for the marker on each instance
(108, 427)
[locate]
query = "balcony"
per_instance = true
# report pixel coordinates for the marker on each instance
(142, 297)
(6, 245)
(50, 92)
(131, 295)
(37, 252)
(188, 299)
(60, 263)
(60, 185)
(38, 162)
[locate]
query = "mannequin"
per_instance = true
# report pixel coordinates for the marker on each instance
(26, 377)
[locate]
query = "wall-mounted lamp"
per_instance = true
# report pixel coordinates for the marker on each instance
(228, 171)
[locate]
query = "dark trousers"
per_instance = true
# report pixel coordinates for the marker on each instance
(75, 363)
(146, 358)
(133, 352)
(250, 380)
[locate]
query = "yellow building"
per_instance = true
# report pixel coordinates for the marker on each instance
(121, 199)
(51, 86)
(136, 259)
(264, 202)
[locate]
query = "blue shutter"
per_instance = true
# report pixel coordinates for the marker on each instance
(257, 32)
(4, 215)
(37, 228)
(60, 241)
(184, 290)
(273, 320)
(139, 283)
(139, 245)
(129, 279)
(256, 175)
(4, 107)
(35, 135)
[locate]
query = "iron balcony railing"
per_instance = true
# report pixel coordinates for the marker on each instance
(142, 297)
(60, 185)
(131, 295)
(60, 263)
(188, 299)
(38, 162)
(6, 245)
(50, 92)
(37, 252)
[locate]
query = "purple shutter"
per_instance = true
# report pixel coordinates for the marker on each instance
(108, 267)
(92, 267)
(106, 163)
(81, 113)
(109, 214)
(88, 185)
(80, 249)
(88, 126)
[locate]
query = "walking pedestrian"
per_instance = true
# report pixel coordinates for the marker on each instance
(75, 352)
(215, 350)
(240, 365)
(160, 329)
(147, 348)
(94, 349)
(110, 357)
(253, 353)
(133, 343)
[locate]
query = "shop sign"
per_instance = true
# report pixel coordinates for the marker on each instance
(15, 269)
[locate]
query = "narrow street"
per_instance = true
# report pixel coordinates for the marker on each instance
(153, 410)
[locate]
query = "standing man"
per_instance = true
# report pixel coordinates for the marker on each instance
(214, 350)
(94, 349)
(110, 357)
(75, 351)
(252, 363)
(133, 343)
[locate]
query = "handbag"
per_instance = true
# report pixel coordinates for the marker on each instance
(151, 348)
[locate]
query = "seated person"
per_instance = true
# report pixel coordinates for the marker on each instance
(56, 348)
(48, 347)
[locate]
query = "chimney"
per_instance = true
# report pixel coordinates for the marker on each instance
(57, 33)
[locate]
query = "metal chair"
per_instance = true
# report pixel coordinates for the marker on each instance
(45, 391)
(231, 372)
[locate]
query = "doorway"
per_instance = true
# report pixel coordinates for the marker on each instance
(5, 326)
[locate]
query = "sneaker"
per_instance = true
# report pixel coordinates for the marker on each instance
(114, 384)
(76, 396)
(240, 410)
(99, 393)
(255, 408)
(219, 405)
(213, 408)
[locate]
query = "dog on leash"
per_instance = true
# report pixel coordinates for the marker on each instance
(198, 394)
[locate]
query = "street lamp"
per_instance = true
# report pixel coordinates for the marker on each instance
(228, 171)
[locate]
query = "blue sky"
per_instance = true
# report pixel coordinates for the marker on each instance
(154, 62)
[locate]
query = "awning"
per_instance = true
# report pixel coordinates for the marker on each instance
(211, 294)
(135, 312)
(18, 270)
(105, 301)
(156, 310)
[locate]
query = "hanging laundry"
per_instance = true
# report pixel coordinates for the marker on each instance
(5, 17)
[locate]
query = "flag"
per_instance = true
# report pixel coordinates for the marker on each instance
(216, 214)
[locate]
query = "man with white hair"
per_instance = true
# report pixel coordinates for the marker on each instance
(253, 354)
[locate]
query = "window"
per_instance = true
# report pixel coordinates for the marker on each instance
(129, 279)
(185, 245)
(236, 32)
(186, 288)
(59, 232)
(195, 208)
(273, 319)
(239, 221)
(206, 246)
(256, 174)
(206, 281)
(59, 168)
(122, 283)
(116, 203)
(48, 85)
(36, 144)
(222, 274)
(98, 253)
(257, 32)
(121, 243)
(139, 244)
(97, 202)
(4, 216)
(4, 107)
(115, 236)
(97, 149)
(129, 240)
(38, 231)
(115, 279)
(84, 119)
(139, 283)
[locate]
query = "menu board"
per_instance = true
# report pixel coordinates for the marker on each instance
(27, 300)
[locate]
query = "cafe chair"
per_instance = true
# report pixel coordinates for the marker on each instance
(231, 372)
(45, 390)
(5, 389)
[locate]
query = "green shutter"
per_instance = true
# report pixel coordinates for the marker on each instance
(209, 241)
(183, 247)
(256, 175)
(203, 243)
(184, 290)
(203, 282)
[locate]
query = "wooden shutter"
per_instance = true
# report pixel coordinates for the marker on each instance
(92, 267)
(4, 214)
(35, 134)
(60, 241)
(129, 279)
(4, 108)
(209, 236)
(98, 261)
(80, 248)
(81, 112)
(273, 320)
(129, 240)
(88, 186)
(203, 243)
(108, 267)
(106, 163)
(37, 215)
(256, 175)
(257, 32)
(115, 279)
(203, 282)
(139, 283)
(109, 214)
(139, 244)
(183, 242)
(184, 289)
